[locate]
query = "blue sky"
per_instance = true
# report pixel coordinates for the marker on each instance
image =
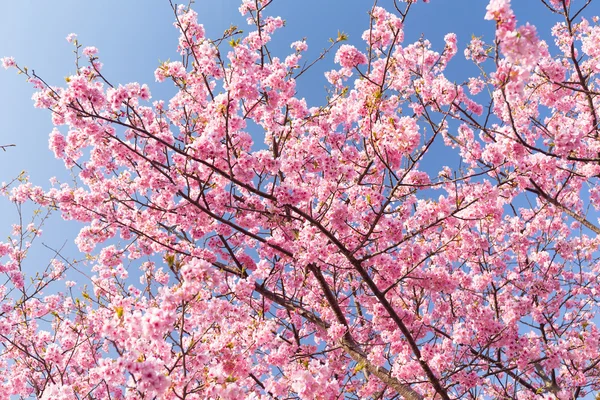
(134, 35)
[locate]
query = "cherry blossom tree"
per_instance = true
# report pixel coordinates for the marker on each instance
(295, 251)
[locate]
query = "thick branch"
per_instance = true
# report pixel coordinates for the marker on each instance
(577, 217)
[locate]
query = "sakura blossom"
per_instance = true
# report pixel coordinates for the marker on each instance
(240, 241)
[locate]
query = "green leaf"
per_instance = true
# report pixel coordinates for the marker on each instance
(342, 37)
(360, 366)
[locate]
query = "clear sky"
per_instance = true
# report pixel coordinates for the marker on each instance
(134, 35)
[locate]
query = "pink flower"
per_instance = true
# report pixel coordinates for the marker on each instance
(8, 62)
(348, 56)
(160, 74)
(299, 46)
(451, 47)
(176, 69)
(90, 51)
(476, 51)
(499, 10)
(57, 143)
(71, 37)
(475, 85)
